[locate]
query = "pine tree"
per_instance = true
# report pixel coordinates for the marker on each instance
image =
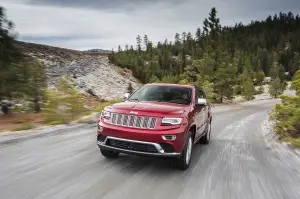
(276, 87)
(138, 43)
(20, 75)
(248, 89)
(119, 49)
(146, 42)
(255, 50)
(224, 78)
(198, 35)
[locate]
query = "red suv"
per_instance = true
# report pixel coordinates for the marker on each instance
(160, 120)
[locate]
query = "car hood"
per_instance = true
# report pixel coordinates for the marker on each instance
(158, 109)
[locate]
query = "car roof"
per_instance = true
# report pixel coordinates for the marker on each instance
(169, 84)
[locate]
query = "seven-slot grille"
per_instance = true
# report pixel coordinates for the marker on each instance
(133, 121)
(132, 146)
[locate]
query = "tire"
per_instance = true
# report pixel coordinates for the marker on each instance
(184, 161)
(206, 138)
(109, 154)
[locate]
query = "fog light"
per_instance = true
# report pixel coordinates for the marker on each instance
(100, 128)
(169, 137)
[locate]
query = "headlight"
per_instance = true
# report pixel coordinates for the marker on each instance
(105, 114)
(171, 121)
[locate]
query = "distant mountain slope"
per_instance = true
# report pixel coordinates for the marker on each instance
(91, 72)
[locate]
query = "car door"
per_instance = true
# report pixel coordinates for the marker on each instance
(200, 114)
(203, 114)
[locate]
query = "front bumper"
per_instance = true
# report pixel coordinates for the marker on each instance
(134, 147)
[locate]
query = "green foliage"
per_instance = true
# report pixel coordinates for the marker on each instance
(276, 87)
(154, 79)
(248, 90)
(63, 105)
(224, 56)
(294, 141)
(224, 80)
(208, 89)
(185, 82)
(287, 116)
(259, 77)
(169, 79)
(20, 75)
(277, 70)
(237, 90)
(296, 82)
(25, 126)
(107, 103)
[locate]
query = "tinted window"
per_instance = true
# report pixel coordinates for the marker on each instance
(172, 94)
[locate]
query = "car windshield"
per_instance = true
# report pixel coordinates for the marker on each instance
(171, 94)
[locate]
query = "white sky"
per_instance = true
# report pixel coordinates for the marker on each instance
(85, 24)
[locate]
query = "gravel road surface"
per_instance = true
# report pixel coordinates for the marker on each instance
(237, 164)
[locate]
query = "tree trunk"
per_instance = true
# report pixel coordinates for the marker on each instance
(4, 108)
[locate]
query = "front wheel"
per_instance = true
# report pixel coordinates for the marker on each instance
(109, 153)
(206, 138)
(184, 162)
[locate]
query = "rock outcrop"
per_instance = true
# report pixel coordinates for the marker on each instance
(91, 72)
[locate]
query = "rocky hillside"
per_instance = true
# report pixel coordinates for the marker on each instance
(91, 72)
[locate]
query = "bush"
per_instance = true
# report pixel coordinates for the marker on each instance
(238, 90)
(277, 87)
(287, 116)
(63, 105)
(25, 126)
(296, 82)
(259, 77)
(107, 103)
(248, 90)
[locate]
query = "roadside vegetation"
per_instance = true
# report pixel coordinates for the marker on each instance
(286, 115)
(25, 99)
(25, 126)
(64, 104)
(228, 60)
(225, 61)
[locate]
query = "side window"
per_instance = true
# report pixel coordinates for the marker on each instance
(201, 94)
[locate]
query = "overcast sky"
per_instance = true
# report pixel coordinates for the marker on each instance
(85, 24)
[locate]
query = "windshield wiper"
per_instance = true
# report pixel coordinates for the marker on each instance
(133, 100)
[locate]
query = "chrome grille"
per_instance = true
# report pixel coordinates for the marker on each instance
(133, 121)
(152, 123)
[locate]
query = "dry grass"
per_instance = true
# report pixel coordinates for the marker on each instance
(20, 121)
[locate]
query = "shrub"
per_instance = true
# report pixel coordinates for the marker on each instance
(296, 82)
(277, 87)
(259, 77)
(107, 103)
(248, 90)
(287, 116)
(25, 126)
(63, 105)
(238, 89)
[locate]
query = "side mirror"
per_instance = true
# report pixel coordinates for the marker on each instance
(201, 102)
(126, 95)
